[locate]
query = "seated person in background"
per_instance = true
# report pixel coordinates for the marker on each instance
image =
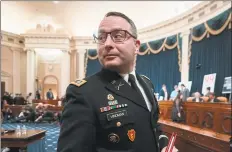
(43, 114)
(19, 100)
(163, 95)
(7, 112)
(174, 93)
(212, 98)
(27, 114)
(197, 98)
(207, 92)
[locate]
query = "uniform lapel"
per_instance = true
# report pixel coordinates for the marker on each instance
(127, 92)
(148, 92)
(116, 84)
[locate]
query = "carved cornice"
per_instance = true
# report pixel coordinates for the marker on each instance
(181, 22)
(45, 41)
(5, 74)
(29, 49)
(16, 49)
(12, 40)
(178, 18)
(82, 43)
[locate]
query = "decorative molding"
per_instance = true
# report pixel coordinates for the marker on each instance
(29, 50)
(5, 74)
(185, 33)
(208, 120)
(12, 40)
(16, 49)
(194, 118)
(46, 37)
(226, 118)
(178, 18)
(82, 43)
(180, 23)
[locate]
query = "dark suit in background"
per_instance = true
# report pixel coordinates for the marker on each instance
(214, 100)
(49, 95)
(200, 100)
(185, 94)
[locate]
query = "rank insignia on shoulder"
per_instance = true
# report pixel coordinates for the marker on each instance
(79, 82)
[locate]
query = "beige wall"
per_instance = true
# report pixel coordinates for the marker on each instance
(7, 66)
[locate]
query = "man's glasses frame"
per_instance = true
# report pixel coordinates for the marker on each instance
(127, 35)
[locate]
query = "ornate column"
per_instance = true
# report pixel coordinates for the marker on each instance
(16, 70)
(30, 71)
(81, 63)
(185, 57)
(65, 72)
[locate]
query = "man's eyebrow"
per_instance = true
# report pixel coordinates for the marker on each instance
(102, 30)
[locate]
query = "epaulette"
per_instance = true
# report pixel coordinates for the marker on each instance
(145, 77)
(79, 82)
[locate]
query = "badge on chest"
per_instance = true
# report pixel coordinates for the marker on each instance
(116, 115)
(112, 104)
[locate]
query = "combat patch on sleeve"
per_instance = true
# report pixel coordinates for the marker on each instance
(79, 82)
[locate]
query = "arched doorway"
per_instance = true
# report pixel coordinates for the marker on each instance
(50, 82)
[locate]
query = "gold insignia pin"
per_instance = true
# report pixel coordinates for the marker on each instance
(118, 124)
(110, 97)
(79, 82)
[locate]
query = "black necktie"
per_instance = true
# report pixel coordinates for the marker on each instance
(134, 85)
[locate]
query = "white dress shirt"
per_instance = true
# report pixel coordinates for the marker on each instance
(126, 78)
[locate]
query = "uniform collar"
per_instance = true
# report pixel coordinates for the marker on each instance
(126, 76)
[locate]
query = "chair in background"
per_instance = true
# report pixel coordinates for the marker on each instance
(190, 99)
(206, 99)
(222, 99)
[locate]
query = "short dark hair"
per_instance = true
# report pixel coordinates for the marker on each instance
(133, 27)
(208, 88)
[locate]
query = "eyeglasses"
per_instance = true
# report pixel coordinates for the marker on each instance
(118, 36)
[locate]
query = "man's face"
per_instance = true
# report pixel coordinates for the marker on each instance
(211, 96)
(176, 87)
(117, 56)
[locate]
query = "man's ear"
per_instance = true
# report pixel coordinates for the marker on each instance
(137, 45)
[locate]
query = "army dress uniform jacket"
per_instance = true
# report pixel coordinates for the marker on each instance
(104, 114)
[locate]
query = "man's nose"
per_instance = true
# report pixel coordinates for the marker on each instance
(109, 42)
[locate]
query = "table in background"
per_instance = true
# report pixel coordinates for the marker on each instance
(23, 141)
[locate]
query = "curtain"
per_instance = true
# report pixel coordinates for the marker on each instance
(93, 66)
(161, 68)
(214, 56)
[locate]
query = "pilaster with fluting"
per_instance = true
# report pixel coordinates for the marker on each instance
(185, 57)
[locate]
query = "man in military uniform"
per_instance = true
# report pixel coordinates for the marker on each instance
(115, 109)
